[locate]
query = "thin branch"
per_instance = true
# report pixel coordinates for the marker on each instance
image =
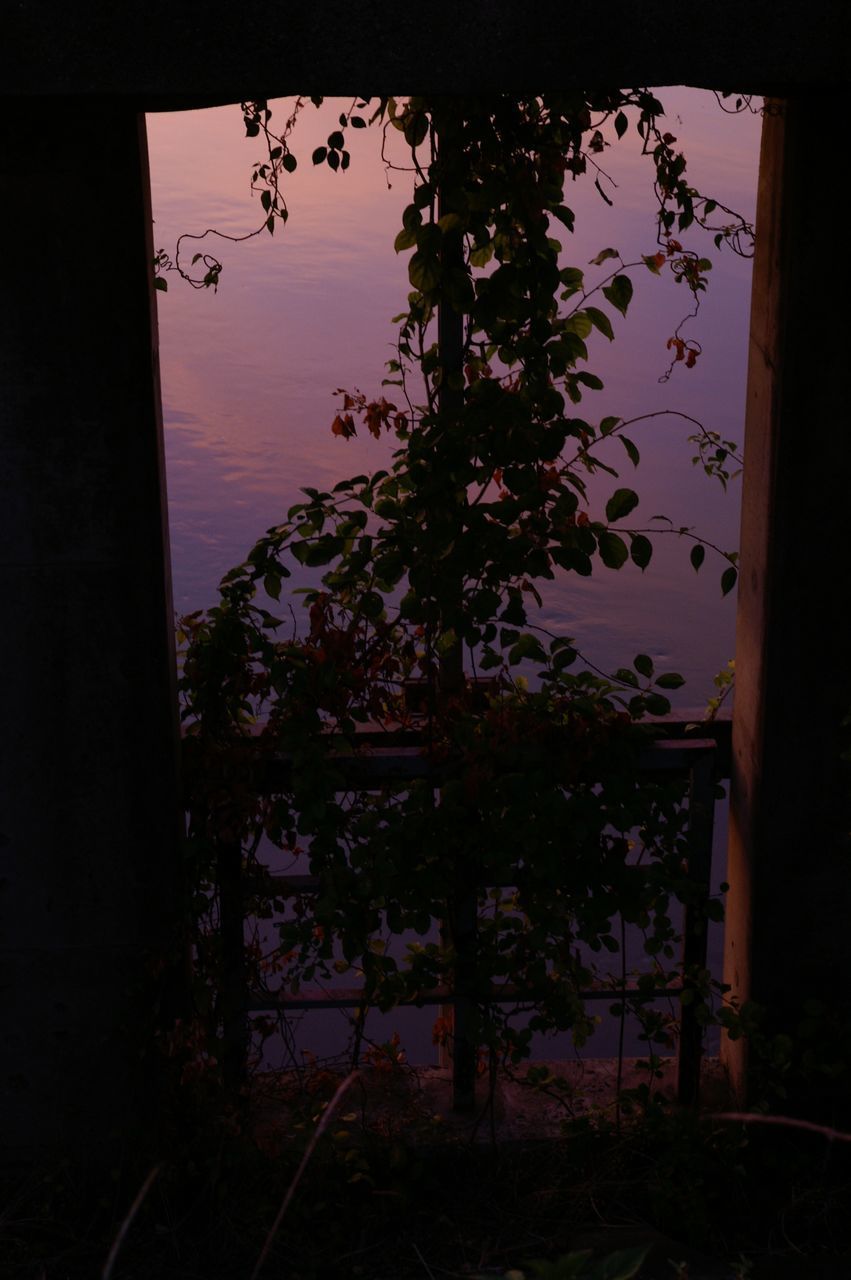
(291, 1190)
(428, 1269)
(730, 556)
(783, 1122)
(644, 417)
(128, 1221)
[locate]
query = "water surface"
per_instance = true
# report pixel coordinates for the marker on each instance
(249, 372)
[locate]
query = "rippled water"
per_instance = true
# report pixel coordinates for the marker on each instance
(248, 373)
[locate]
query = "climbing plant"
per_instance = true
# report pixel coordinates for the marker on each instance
(424, 616)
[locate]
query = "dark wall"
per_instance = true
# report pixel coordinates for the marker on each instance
(168, 54)
(89, 810)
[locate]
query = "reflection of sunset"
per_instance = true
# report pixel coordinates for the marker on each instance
(249, 373)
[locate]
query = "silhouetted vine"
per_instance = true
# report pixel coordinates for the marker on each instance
(437, 561)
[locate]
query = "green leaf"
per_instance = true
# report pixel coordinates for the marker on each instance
(528, 646)
(514, 613)
(424, 272)
(570, 1266)
(372, 606)
(450, 222)
(613, 550)
(481, 256)
(600, 321)
(619, 293)
(728, 580)
(574, 559)
(579, 323)
(656, 704)
(620, 504)
(697, 555)
(627, 677)
(416, 128)
(489, 659)
(608, 425)
(571, 278)
(621, 1265)
(641, 550)
(411, 217)
(406, 239)
(429, 238)
(603, 255)
(598, 185)
(272, 585)
(313, 554)
(669, 680)
(564, 658)
(423, 195)
(564, 215)
(632, 450)
(643, 664)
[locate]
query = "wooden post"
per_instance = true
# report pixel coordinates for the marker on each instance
(787, 934)
(234, 994)
(701, 826)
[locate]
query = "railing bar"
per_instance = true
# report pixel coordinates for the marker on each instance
(702, 759)
(392, 764)
(349, 999)
(292, 883)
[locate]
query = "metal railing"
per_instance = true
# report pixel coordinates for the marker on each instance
(689, 749)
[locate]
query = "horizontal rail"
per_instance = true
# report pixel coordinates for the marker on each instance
(352, 997)
(400, 755)
(384, 757)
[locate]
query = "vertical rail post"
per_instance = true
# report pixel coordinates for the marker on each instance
(450, 345)
(234, 994)
(463, 897)
(701, 826)
(464, 908)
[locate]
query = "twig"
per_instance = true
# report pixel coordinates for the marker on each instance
(621, 1028)
(786, 1122)
(128, 1221)
(423, 1261)
(291, 1190)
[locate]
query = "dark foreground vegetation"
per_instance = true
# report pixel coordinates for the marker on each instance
(669, 1195)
